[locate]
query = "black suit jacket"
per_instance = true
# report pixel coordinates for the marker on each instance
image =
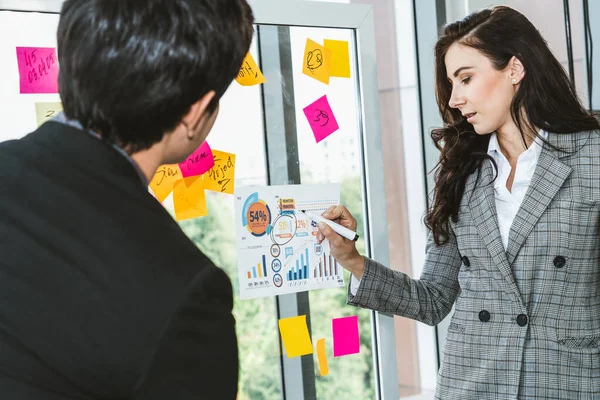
(102, 296)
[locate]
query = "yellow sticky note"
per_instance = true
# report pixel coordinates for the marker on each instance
(164, 179)
(322, 356)
(317, 61)
(189, 198)
(295, 337)
(220, 178)
(249, 73)
(340, 57)
(47, 111)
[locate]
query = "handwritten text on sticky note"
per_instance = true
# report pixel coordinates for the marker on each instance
(345, 336)
(249, 73)
(221, 177)
(47, 111)
(317, 63)
(321, 118)
(189, 199)
(198, 162)
(295, 337)
(38, 69)
(340, 57)
(164, 180)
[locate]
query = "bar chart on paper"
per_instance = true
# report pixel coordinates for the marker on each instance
(278, 250)
(327, 269)
(258, 274)
(301, 270)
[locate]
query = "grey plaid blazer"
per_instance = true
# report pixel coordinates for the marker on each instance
(527, 320)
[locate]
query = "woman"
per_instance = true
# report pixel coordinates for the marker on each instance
(514, 241)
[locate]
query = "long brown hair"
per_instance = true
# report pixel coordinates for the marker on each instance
(546, 96)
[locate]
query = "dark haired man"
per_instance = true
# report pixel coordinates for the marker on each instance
(102, 296)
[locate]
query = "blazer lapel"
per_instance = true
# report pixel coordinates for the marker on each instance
(549, 176)
(482, 203)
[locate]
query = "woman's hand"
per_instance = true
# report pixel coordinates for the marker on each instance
(342, 249)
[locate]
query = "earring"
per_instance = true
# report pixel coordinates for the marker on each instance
(514, 80)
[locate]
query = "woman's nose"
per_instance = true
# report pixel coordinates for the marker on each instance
(455, 99)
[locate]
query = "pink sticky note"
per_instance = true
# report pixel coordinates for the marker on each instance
(198, 162)
(321, 118)
(345, 336)
(38, 69)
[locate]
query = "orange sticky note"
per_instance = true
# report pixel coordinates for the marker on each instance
(340, 57)
(189, 198)
(164, 179)
(317, 61)
(249, 73)
(295, 337)
(221, 177)
(322, 356)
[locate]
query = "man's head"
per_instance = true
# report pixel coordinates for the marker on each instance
(136, 71)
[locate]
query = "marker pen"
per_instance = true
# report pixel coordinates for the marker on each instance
(340, 230)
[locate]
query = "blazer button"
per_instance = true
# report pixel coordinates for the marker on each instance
(522, 319)
(559, 261)
(484, 316)
(466, 261)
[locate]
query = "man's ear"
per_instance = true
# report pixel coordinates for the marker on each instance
(516, 70)
(198, 110)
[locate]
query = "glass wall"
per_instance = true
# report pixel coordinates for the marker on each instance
(405, 193)
(335, 159)
(246, 116)
(256, 320)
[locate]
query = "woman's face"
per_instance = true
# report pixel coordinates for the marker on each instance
(481, 93)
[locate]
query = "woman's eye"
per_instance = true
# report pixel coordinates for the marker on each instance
(466, 80)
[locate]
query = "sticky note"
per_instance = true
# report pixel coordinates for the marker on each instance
(340, 57)
(221, 177)
(322, 357)
(249, 73)
(345, 336)
(189, 198)
(164, 180)
(198, 162)
(321, 118)
(38, 69)
(295, 337)
(317, 63)
(47, 111)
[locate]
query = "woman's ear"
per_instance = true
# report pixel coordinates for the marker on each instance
(516, 70)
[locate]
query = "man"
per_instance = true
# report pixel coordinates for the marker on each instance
(102, 296)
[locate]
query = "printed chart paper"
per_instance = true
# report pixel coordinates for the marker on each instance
(278, 251)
